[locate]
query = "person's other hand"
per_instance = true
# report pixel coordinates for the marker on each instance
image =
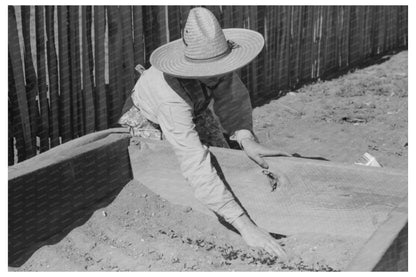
(258, 238)
(256, 152)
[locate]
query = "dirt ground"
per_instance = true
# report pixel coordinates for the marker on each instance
(363, 111)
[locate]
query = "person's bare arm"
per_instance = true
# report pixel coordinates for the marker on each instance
(257, 237)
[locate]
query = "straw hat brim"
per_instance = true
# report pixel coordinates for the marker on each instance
(170, 58)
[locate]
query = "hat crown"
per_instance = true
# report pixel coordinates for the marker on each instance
(203, 36)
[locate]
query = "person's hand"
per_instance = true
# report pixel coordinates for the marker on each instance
(256, 152)
(258, 238)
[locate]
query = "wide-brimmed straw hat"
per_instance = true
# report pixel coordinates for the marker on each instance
(205, 49)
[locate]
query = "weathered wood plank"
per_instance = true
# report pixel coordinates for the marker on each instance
(42, 86)
(345, 33)
(128, 51)
(295, 53)
(65, 103)
(284, 42)
(115, 43)
(53, 77)
(227, 15)
(322, 41)
(30, 75)
(138, 45)
(259, 71)
(74, 43)
(159, 12)
(174, 17)
(10, 140)
(100, 92)
(87, 77)
(17, 139)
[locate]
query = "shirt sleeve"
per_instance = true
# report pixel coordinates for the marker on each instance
(232, 104)
(175, 120)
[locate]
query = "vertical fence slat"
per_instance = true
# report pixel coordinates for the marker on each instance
(403, 25)
(53, 77)
(90, 44)
(138, 35)
(242, 21)
(374, 30)
(74, 44)
(159, 12)
(345, 36)
(259, 61)
(154, 29)
(356, 37)
(296, 46)
(16, 119)
(30, 74)
(148, 33)
(10, 129)
(42, 86)
(268, 35)
(65, 103)
(253, 66)
(277, 37)
(19, 84)
(227, 15)
(394, 27)
(381, 41)
(174, 16)
(100, 91)
(285, 48)
(89, 108)
(115, 64)
(315, 41)
(128, 52)
(306, 40)
(331, 49)
(367, 32)
(322, 40)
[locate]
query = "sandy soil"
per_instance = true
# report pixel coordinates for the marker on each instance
(364, 111)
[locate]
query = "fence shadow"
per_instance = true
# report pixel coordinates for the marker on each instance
(47, 201)
(17, 257)
(374, 60)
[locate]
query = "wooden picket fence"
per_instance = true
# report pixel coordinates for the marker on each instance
(72, 67)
